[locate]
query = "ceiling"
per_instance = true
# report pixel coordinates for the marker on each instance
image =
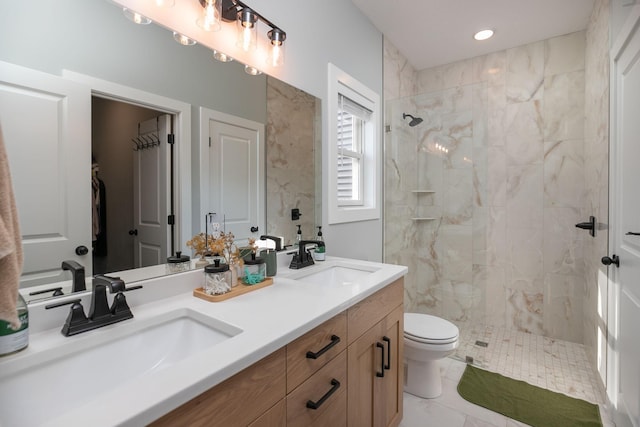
(436, 32)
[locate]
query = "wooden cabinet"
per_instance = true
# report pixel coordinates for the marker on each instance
(347, 371)
(374, 359)
(238, 401)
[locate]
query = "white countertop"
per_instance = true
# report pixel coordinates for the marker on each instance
(269, 319)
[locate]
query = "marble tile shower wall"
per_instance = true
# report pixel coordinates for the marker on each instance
(596, 181)
(502, 147)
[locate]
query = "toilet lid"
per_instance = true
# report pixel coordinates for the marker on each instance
(429, 329)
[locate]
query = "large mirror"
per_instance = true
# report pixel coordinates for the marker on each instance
(93, 38)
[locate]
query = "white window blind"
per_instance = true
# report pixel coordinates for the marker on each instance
(352, 118)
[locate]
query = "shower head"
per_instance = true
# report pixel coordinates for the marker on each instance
(414, 120)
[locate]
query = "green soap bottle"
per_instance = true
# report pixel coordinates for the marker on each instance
(14, 340)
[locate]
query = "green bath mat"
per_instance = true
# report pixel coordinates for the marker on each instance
(524, 402)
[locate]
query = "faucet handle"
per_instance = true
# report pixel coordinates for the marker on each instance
(76, 320)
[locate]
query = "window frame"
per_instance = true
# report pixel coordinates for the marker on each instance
(368, 206)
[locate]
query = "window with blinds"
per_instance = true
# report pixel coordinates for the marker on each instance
(352, 118)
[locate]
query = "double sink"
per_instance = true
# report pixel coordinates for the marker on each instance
(47, 384)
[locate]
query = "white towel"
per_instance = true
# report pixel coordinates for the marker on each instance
(10, 244)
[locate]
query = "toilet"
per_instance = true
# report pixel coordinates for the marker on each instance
(427, 339)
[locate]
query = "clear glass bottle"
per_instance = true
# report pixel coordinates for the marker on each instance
(14, 340)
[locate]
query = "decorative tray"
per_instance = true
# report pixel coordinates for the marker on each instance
(239, 289)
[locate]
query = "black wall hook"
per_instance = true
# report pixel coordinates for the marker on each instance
(591, 226)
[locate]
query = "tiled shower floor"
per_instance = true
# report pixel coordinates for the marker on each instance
(552, 364)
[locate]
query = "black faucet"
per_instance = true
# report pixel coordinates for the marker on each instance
(303, 258)
(100, 314)
(77, 271)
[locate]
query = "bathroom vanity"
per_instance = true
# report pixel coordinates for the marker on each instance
(321, 346)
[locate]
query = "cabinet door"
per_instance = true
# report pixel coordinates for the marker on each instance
(392, 386)
(364, 358)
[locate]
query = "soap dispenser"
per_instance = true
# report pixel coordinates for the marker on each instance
(320, 250)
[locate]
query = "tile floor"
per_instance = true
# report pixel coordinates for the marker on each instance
(556, 365)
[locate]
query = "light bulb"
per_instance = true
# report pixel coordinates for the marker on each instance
(276, 56)
(136, 17)
(252, 71)
(247, 30)
(222, 57)
(210, 19)
(183, 40)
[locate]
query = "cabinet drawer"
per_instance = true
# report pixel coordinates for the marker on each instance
(237, 401)
(274, 417)
(325, 341)
(370, 311)
(332, 411)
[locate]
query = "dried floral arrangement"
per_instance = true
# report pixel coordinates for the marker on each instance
(223, 245)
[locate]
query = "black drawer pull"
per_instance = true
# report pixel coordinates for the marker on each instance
(381, 373)
(335, 384)
(334, 340)
(388, 341)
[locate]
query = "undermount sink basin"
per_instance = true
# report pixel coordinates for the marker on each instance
(39, 388)
(334, 274)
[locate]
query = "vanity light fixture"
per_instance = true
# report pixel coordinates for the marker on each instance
(210, 18)
(135, 17)
(247, 30)
(222, 57)
(483, 34)
(247, 26)
(252, 71)
(183, 40)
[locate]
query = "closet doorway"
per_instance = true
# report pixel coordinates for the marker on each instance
(122, 141)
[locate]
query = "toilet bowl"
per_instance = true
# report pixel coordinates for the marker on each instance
(427, 339)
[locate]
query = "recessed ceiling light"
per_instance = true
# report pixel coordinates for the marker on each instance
(483, 35)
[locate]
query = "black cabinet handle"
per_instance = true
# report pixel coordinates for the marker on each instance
(334, 340)
(388, 341)
(381, 373)
(335, 385)
(632, 233)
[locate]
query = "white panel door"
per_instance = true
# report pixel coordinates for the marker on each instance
(46, 122)
(236, 185)
(150, 194)
(625, 237)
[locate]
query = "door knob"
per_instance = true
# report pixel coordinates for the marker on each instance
(254, 229)
(615, 260)
(82, 250)
(133, 232)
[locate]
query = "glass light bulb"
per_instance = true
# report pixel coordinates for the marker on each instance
(277, 55)
(222, 57)
(183, 40)
(136, 17)
(252, 71)
(210, 19)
